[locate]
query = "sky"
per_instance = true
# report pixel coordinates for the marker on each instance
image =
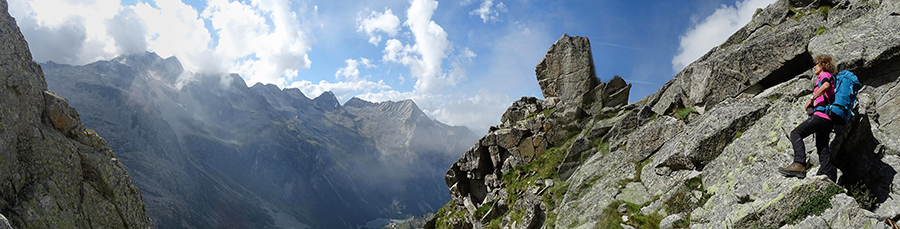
(463, 62)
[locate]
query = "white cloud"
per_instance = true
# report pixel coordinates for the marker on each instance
(425, 57)
(713, 30)
(477, 112)
(376, 21)
(468, 54)
(342, 90)
(263, 41)
(129, 31)
(175, 29)
(488, 11)
(63, 31)
(351, 71)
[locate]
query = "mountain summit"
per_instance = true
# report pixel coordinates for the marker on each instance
(703, 151)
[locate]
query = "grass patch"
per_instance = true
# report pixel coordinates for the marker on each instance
(483, 210)
(495, 224)
(797, 15)
(822, 10)
(815, 205)
(683, 114)
(546, 113)
(821, 30)
(544, 167)
(554, 195)
(682, 200)
(639, 166)
(738, 135)
(681, 223)
(610, 217)
(601, 145)
(645, 221)
(517, 216)
(772, 99)
(447, 214)
(588, 185)
(862, 195)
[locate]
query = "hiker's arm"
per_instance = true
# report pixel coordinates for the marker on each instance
(818, 93)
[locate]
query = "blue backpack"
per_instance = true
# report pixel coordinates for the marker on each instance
(846, 86)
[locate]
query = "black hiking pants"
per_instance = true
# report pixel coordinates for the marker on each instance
(822, 128)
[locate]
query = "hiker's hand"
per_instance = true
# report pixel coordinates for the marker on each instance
(808, 103)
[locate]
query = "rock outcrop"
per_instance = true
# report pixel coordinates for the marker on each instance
(703, 151)
(54, 173)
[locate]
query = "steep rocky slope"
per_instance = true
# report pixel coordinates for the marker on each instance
(702, 151)
(209, 152)
(54, 173)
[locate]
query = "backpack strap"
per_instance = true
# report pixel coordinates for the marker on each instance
(830, 81)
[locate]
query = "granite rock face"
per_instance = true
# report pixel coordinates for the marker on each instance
(54, 172)
(703, 151)
(567, 71)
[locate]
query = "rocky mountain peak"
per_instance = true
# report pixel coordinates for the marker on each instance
(402, 110)
(703, 151)
(327, 101)
(56, 172)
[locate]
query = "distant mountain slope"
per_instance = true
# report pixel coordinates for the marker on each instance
(210, 151)
(54, 173)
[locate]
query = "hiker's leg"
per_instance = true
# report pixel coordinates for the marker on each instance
(822, 147)
(804, 129)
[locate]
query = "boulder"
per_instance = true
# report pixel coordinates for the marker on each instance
(593, 186)
(715, 130)
(863, 42)
(619, 98)
(846, 213)
(634, 192)
(742, 61)
(4, 223)
(567, 71)
(651, 136)
(669, 221)
(520, 109)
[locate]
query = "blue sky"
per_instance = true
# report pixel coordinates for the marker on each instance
(463, 62)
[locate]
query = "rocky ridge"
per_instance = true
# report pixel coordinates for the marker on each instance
(54, 173)
(702, 151)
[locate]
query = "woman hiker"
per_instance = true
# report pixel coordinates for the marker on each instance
(818, 123)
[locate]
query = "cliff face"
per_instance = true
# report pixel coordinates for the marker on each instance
(703, 151)
(54, 173)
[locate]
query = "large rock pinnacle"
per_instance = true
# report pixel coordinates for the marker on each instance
(567, 71)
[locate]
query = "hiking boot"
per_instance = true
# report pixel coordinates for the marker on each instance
(794, 170)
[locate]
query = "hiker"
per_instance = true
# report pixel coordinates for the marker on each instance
(818, 123)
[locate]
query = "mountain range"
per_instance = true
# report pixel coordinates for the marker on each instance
(207, 151)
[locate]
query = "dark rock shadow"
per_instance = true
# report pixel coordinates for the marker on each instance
(858, 155)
